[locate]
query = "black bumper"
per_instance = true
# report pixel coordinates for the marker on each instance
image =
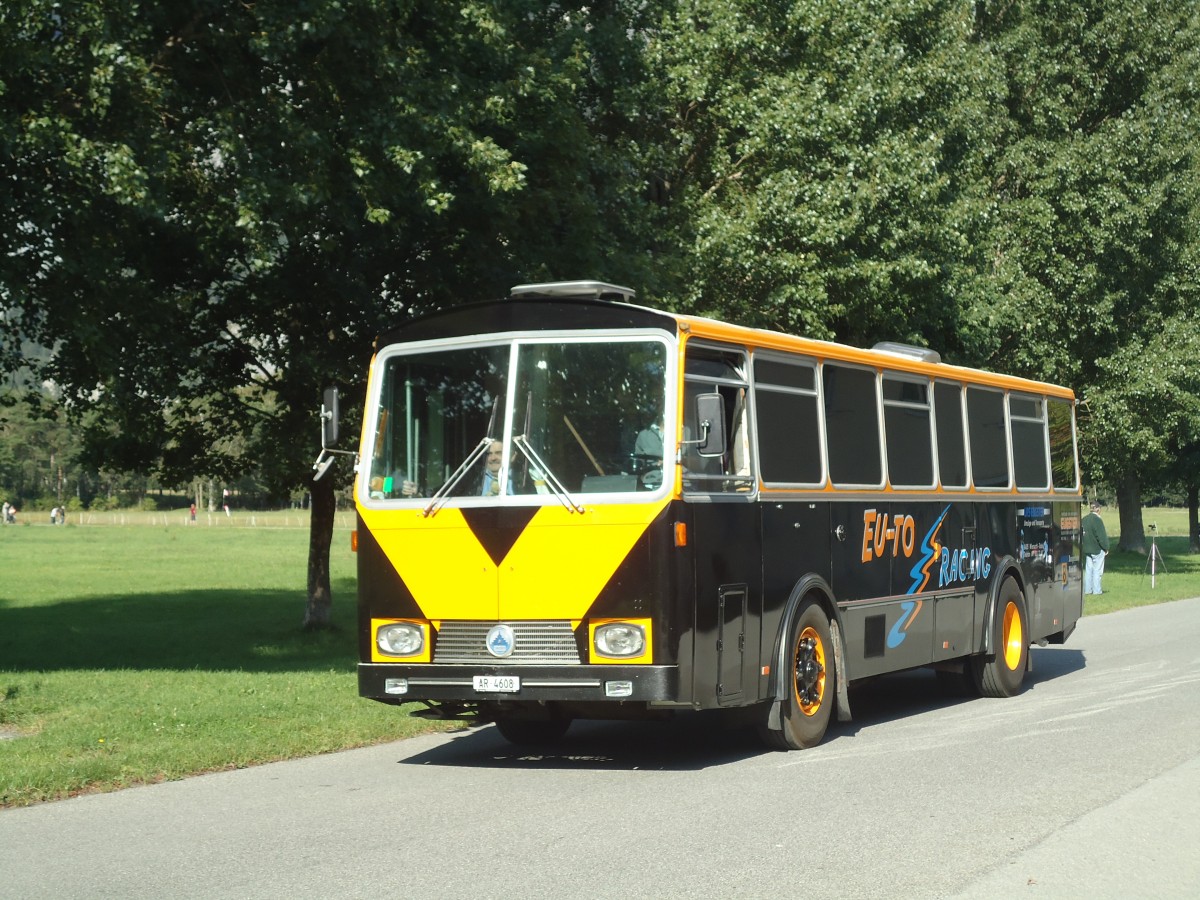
(539, 684)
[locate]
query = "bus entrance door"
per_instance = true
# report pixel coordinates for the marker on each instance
(724, 543)
(731, 641)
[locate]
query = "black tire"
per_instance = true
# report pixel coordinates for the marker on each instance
(811, 683)
(532, 732)
(1003, 675)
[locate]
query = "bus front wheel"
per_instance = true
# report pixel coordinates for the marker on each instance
(1003, 675)
(810, 683)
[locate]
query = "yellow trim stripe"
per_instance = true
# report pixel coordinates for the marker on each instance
(756, 339)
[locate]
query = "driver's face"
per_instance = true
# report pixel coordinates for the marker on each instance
(493, 457)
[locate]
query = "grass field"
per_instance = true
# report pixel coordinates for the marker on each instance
(135, 647)
(138, 653)
(1127, 577)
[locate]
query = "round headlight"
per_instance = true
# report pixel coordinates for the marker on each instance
(620, 639)
(400, 639)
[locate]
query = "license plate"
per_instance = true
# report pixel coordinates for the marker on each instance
(497, 684)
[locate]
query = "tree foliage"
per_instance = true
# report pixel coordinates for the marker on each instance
(208, 210)
(213, 207)
(814, 143)
(1013, 183)
(1083, 272)
(216, 207)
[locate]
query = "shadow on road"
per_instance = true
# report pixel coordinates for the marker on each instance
(687, 742)
(902, 694)
(699, 740)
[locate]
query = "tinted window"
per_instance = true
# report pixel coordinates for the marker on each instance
(1028, 442)
(989, 440)
(1025, 407)
(787, 375)
(952, 453)
(852, 426)
(713, 371)
(906, 426)
(1062, 445)
(789, 448)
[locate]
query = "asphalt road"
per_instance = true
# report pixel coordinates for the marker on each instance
(1087, 785)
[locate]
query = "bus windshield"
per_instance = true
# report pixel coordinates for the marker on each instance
(521, 418)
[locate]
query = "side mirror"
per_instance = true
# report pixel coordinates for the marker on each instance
(329, 417)
(329, 434)
(710, 418)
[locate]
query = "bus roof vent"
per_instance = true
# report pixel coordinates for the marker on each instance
(581, 290)
(924, 354)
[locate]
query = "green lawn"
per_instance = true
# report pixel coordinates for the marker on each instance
(1127, 576)
(131, 654)
(136, 648)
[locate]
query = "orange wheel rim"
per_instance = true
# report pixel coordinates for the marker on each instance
(1014, 636)
(808, 685)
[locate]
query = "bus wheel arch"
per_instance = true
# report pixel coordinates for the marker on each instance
(999, 670)
(808, 671)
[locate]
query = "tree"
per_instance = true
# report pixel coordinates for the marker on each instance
(1080, 272)
(1012, 183)
(812, 183)
(212, 208)
(1149, 400)
(215, 207)
(37, 453)
(1188, 476)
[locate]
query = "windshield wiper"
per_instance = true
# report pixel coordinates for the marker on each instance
(552, 481)
(440, 495)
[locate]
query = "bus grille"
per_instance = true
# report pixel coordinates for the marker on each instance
(536, 644)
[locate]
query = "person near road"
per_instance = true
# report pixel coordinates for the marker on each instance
(1095, 548)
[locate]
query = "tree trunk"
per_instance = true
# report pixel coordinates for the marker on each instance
(1193, 501)
(320, 536)
(1129, 504)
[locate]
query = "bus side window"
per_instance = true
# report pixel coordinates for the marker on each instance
(738, 463)
(1062, 445)
(1031, 454)
(951, 448)
(788, 422)
(852, 426)
(717, 371)
(988, 433)
(906, 423)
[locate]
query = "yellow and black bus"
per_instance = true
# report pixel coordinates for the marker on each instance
(570, 506)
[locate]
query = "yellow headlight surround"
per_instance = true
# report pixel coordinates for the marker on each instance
(421, 656)
(643, 658)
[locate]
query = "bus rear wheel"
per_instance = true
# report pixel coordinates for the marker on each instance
(532, 732)
(1003, 675)
(810, 683)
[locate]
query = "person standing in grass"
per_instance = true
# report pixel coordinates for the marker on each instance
(1095, 548)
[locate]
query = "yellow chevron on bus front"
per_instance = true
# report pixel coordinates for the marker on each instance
(439, 559)
(554, 570)
(557, 568)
